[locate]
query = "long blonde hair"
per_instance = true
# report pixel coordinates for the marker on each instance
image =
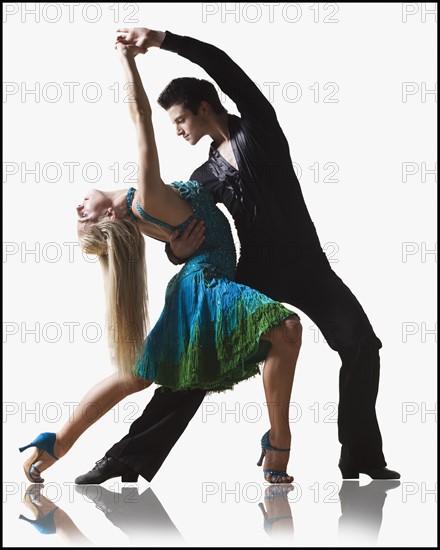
(120, 247)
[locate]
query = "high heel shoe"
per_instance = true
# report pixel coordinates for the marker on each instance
(45, 442)
(275, 475)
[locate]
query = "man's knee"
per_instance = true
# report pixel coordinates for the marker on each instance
(361, 349)
(355, 336)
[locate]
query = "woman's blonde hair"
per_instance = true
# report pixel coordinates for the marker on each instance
(120, 247)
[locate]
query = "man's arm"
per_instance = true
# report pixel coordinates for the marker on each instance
(233, 81)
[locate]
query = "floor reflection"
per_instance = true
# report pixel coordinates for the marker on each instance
(142, 517)
(139, 516)
(136, 515)
(362, 509)
(50, 519)
(278, 520)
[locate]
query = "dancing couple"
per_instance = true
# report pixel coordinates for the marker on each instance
(220, 320)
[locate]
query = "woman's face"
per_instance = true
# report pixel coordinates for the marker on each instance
(91, 209)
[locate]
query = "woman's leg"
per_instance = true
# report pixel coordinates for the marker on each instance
(278, 375)
(97, 401)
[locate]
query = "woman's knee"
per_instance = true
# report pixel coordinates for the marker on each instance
(135, 384)
(292, 332)
(288, 335)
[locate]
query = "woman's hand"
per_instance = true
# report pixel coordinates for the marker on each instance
(125, 49)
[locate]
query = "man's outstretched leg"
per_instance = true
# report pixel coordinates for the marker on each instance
(150, 439)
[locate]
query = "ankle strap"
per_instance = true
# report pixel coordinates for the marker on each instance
(266, 445)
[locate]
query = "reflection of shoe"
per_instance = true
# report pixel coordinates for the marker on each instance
(32, 494)
(108, 501)
(140, 516)
(273, 476)
(45, 442)
(384, 484)
(44, 523)
(50, 519)
(268, 522)
(350, 472)
(277, 491)
(107, 468)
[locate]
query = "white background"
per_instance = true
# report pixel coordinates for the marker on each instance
(366, 220)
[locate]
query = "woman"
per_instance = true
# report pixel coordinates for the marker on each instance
(212, 332)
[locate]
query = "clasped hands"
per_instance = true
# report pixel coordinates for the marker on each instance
(138, 39)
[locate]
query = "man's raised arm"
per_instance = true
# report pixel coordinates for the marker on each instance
(232, 80)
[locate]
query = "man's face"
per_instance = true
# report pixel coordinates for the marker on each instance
(188, 125)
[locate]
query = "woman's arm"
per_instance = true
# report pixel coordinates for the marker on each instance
(150, 181)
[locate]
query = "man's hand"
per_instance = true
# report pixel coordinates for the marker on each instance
(191, 239)
(140, 37)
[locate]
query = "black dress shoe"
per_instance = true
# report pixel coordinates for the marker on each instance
(350, 472)
(105, 469)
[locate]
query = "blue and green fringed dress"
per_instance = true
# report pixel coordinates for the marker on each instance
(208, 334)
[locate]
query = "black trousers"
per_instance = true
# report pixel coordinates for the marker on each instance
(309, 284)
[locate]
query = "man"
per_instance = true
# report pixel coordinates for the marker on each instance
(249, 169)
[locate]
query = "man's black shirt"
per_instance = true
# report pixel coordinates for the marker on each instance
(264, 195)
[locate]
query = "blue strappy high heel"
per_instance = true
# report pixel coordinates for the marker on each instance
(276, 475)
(45, 442)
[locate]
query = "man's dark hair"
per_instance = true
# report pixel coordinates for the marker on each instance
(190, 92)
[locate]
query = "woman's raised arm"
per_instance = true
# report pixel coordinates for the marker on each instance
(150, 181)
